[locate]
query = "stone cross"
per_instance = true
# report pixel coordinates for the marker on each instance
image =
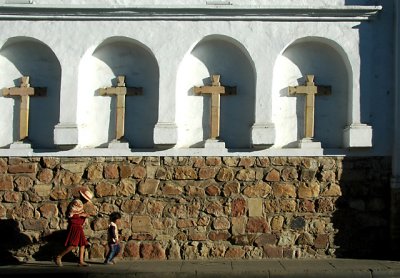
(25, 91)
(120, 91)
(216, 90)
(310, 90)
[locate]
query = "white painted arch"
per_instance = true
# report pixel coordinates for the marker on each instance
(98, 69)
(28, 56)
(216, 54)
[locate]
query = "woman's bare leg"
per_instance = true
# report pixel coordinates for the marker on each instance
(82, 256)
(59, 256)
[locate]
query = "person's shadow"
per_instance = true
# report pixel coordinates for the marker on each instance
(53, 244)
(11, 240)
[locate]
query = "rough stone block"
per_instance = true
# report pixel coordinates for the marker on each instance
(246, 175)
(284, 190)
(273, 175)
(73, 167)
(207, 173)
(185, 173)
(50, 162)
(131, 250)
(133, 206)
(149, 187)
(260, 189)
(321, 241)
(215, 209)
(152, 251)
(277, 223)
(139, 172)
(45, 176)
(104, 189)
(221, 223)
(333, 190)
(225, 174)
(49, 210)
(309, 190)
(273, 251)
(255, 206)
(23, 168)
(111, 171)
(213, 190)
(141, 224)
(219, 235)
(43, 190)
(257, 225)
(213, 161)
(238, 207)
(238, 225)
(100, 224)
(95, 172)
(126, 187)
(266, 239)
(231, 188)
(6, 183)
(235, 253)
(171, 188)
(35, 224)
(246, 162)
(3, 166)
(126, 170)
(195, 191)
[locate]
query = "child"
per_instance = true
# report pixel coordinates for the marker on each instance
(113, 242)
(75, 235)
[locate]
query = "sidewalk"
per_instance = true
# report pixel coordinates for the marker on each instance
(218, 268)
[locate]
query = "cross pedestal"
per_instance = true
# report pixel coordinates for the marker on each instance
(310, 90)
(120, 91)
(25, 91)
(215, 90)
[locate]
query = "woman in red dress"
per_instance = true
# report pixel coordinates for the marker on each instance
(75, 235)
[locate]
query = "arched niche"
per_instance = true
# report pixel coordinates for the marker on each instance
(24, 56)
(97, 114)
(321, 58)
(216, 54)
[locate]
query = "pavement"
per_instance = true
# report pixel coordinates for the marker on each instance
(271, 268)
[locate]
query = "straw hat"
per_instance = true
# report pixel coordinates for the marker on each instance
(87, 194)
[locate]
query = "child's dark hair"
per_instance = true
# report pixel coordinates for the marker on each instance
(115, 216)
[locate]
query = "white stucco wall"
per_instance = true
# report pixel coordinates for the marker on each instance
(168, 57)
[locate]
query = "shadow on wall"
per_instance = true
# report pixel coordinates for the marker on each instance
(52, 245)
(362, 215)
(11, 240)
(363, 211)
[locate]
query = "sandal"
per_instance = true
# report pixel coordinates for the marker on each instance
(83, 264)
(57, 261)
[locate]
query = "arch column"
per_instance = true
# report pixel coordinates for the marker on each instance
(355, 134)
(66, 131)
(263, 129)
(395, 180)
(166, 130)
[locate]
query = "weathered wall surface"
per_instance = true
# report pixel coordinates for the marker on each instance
(200, 207)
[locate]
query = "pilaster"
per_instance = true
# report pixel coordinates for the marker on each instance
(395, 181)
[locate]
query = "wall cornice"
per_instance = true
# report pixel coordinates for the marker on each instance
(186, 13)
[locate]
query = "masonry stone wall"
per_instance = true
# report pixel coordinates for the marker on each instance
(200, 207)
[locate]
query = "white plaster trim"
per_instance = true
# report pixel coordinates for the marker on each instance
(181, 12)
(358, 136)
(66, 134)
(263, 135)
(107, 152)
(165, 134)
